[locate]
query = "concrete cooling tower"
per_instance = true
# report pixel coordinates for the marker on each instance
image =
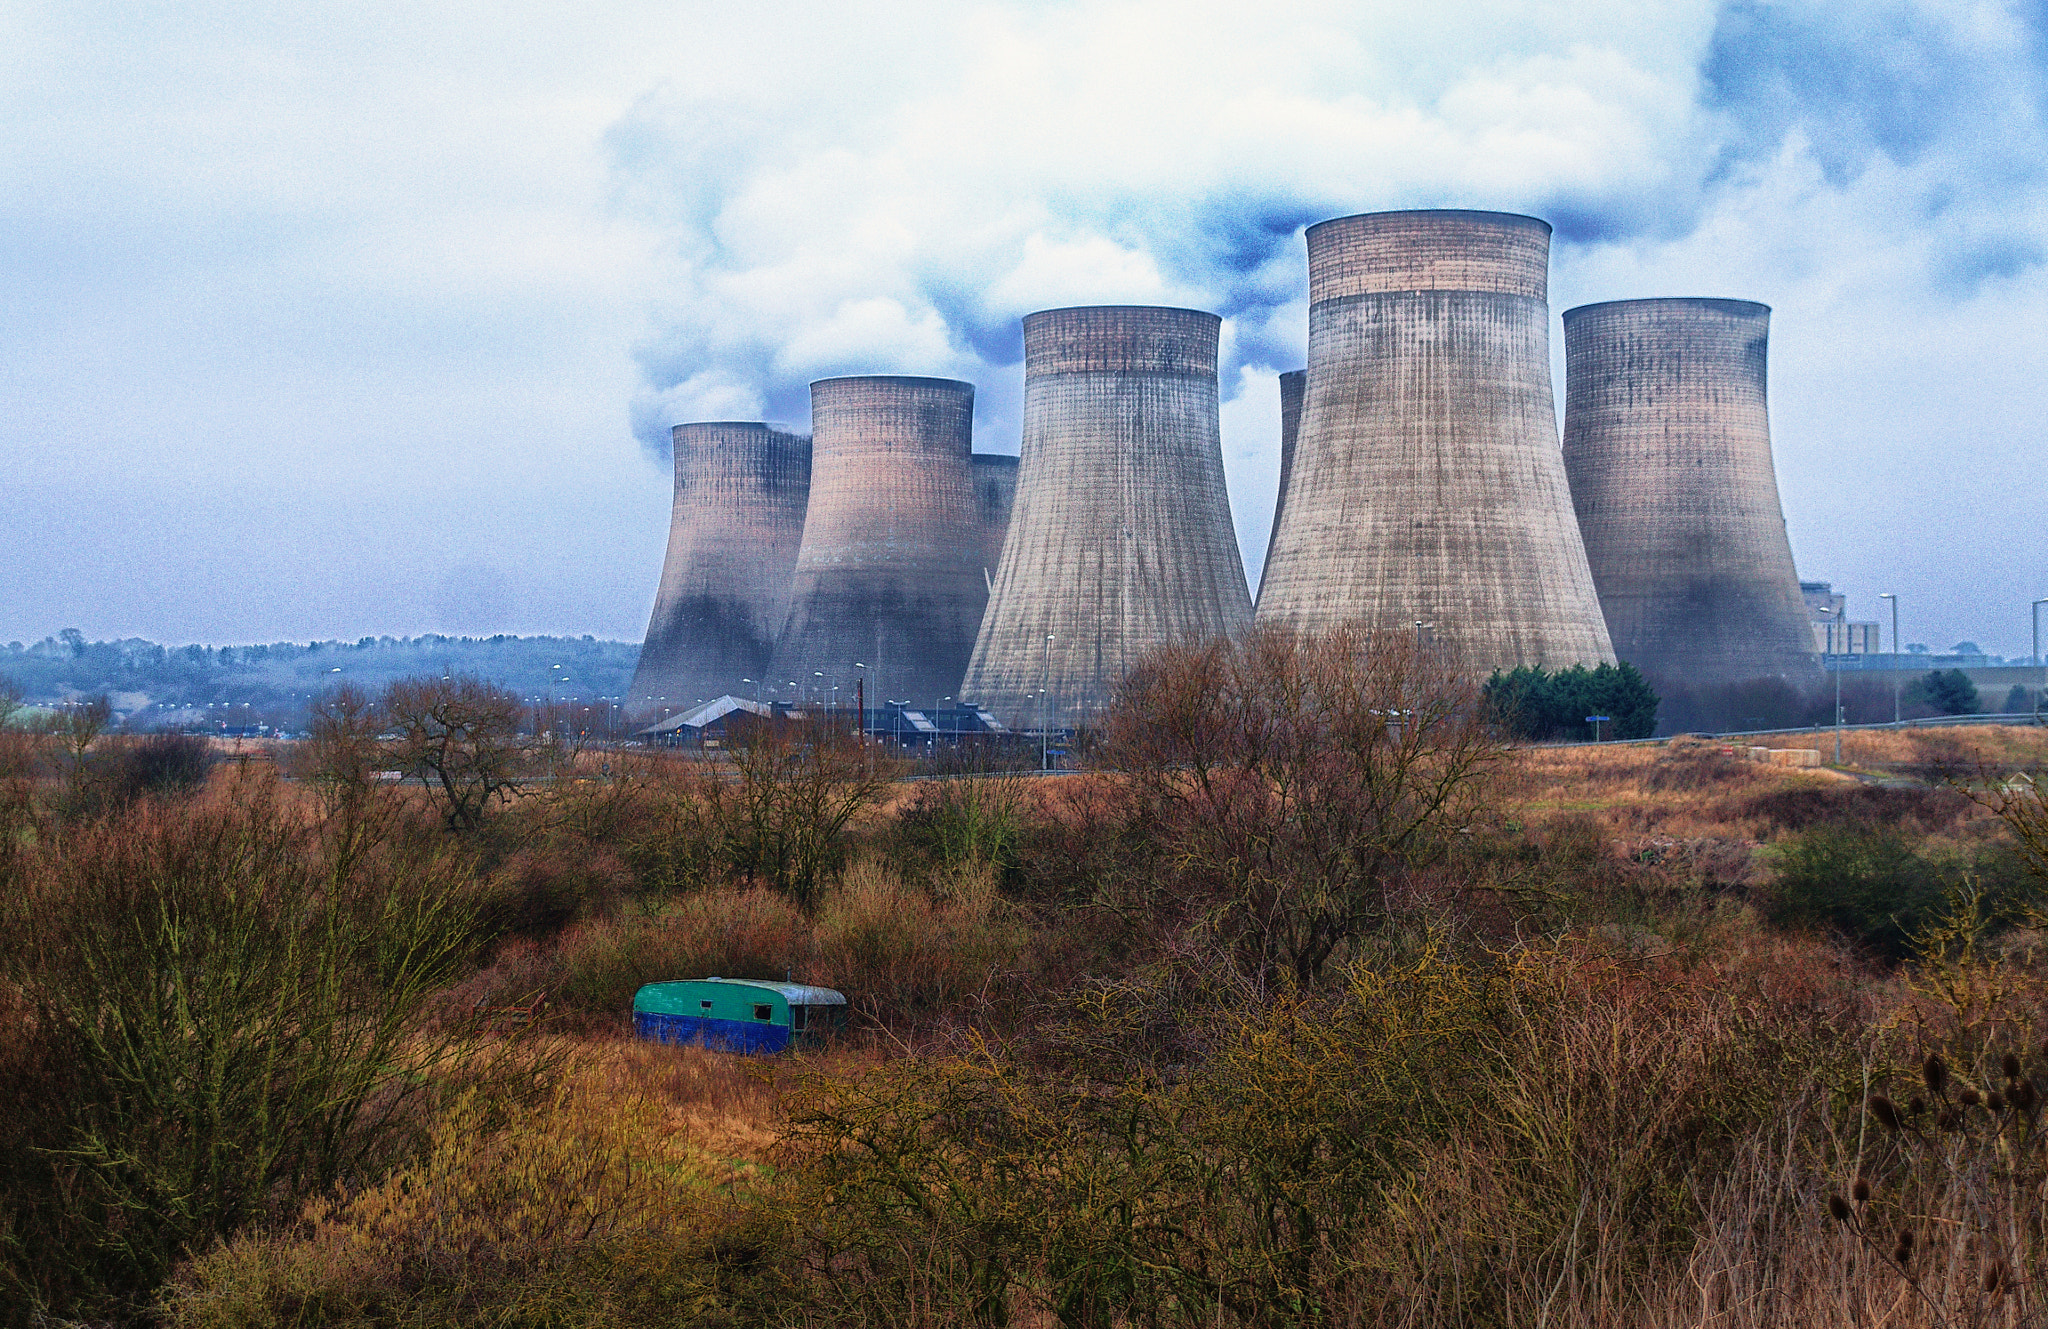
(741, 489)
(1292, 385)
(995, 489)
(1427, 482)
(1120, 540)
(1668, 444)
(890, 570)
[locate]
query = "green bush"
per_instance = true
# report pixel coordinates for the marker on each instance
(1945, 692)
(1532, 703)
(964, 823)
(1865, 881)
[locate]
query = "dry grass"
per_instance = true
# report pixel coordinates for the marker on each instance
(1689, 790)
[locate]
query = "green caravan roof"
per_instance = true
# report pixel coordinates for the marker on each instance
(680, 996)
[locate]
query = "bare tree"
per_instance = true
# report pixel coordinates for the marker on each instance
(344, 749)
(461, 736)
(71, 732)
(10, 701)
(784, 819)
(1298, 780)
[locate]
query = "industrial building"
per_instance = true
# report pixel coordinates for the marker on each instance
(1667, 442)
(1120, 539)
(1427, 490)
(741, 490)
(888, 585)
(1833, 631)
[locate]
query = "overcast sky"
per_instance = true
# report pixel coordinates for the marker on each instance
(372, 318)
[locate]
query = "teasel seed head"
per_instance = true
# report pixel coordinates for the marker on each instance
(1995, 1101)
(2010, 1064)
(1934, 1073)
(1839, 1207)
(1902, 1253)
(2024, 1096)
(1887, 1115)
(1861, 1191)
(1970, 1097)
(1915, 1106)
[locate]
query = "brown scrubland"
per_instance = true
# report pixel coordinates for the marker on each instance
(1311, 1002)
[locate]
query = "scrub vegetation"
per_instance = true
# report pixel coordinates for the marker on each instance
(1314, 1002)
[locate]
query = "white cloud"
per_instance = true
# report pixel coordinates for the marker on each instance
(276, 251)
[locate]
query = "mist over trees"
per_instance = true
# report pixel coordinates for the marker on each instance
(176, 686)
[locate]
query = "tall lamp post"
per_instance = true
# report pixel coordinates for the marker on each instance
(1897, 651)
(2043, 685)
(1838, 713)
(1045, 705)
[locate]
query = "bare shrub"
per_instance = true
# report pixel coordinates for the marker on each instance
(558, 1213)
(784, 817)
(900, 952)
(158, 765)
(1296, 781)
(213, 1019)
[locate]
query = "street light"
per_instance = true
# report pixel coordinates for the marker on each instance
(2037, 655)
(1044, 704)
(1838, 713)
(1896, 650)
(1419, 626)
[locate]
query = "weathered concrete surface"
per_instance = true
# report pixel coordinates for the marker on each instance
(738, 520)
(890, 570)
(1667, 440)
(1120, 540)
(995, 491)
(1427, 482)
(1292, 385)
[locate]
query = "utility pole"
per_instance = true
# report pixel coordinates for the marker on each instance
(1898, 652)
(1838, 713)
(2042, 686)
(1044, 705)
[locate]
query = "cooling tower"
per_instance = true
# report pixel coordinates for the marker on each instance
(1120, 540)
(1427, 483)
(732, 546)
(1668, 444)
(1292, 385)
(890, 571)
(995, 489)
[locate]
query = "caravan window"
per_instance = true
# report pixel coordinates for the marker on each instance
(796, 1017)
(763, 1012)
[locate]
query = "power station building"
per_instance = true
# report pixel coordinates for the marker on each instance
(1120, 540)
(888, 582)
(734, 532)
(1427, 484)
(1667, 440)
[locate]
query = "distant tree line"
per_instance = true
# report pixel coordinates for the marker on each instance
(278, 681)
